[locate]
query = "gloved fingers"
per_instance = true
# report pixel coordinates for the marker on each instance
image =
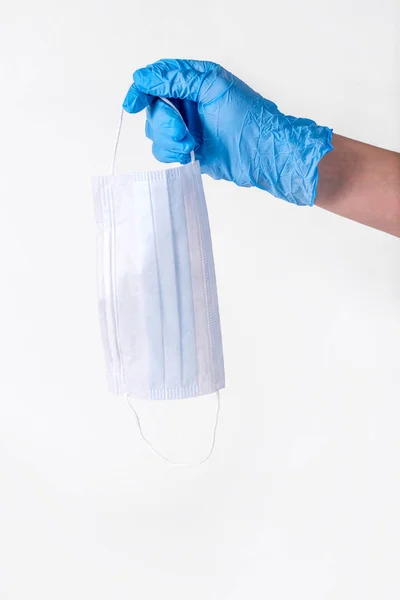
(190, 113)
(166, 156)
(176, 78)
(166, 121)
(167, 129)
(163, 140)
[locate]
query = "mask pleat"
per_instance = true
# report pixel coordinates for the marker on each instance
(183, 280)
(166, 273)
(152, 286)
(217, 356)
(132, 255)
(197, 258)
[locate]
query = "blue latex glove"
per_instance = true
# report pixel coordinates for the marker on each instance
(236, 133)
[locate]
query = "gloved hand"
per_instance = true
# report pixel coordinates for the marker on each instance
(236, 133)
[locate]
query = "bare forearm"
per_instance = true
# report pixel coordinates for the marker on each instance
(361, 182)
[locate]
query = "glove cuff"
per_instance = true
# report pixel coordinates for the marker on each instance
(290, 171)
(309, 143)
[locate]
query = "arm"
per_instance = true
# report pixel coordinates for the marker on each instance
(361, 182)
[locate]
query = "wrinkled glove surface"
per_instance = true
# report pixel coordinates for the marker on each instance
(236, 133)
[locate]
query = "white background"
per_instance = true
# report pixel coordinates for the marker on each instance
(301, 499)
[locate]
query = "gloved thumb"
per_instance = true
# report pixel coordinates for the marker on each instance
(135, 100)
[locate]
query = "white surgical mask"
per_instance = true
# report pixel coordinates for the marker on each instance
(157, 291)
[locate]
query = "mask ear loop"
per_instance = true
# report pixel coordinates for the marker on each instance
(165, 458)
(121, 118)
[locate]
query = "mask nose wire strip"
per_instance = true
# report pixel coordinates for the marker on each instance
(117, 142)
(172, 462)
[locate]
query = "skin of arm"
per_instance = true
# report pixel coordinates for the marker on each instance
(362, 183)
